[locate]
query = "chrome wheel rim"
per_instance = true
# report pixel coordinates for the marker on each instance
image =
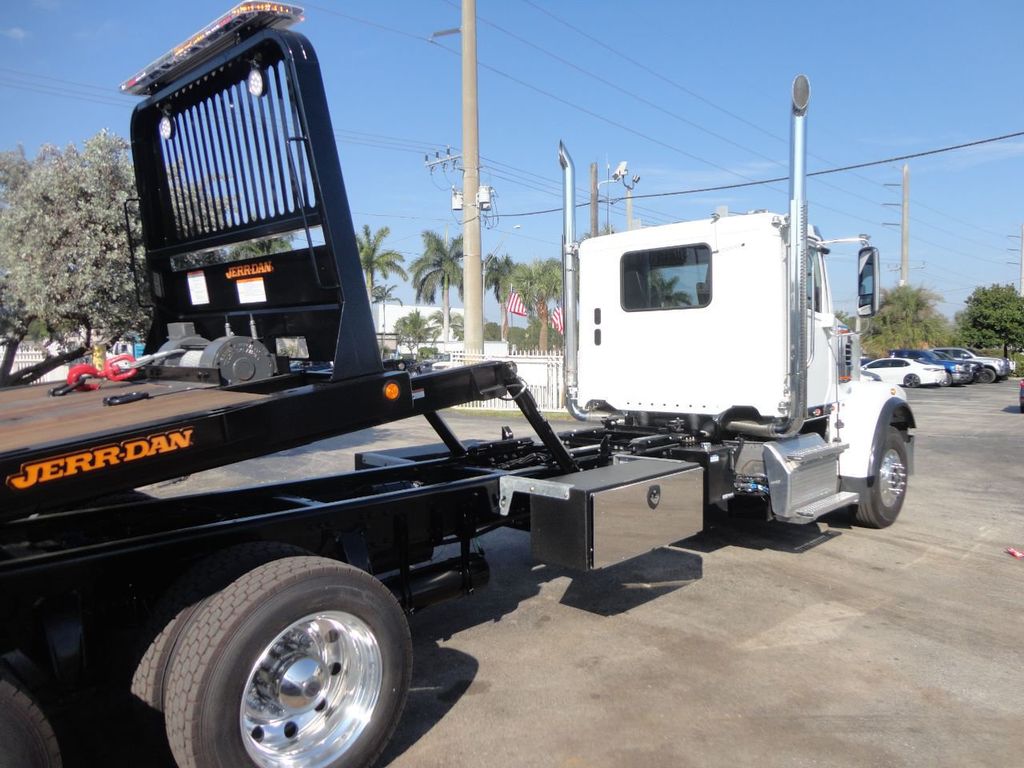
(312, 691)
(892, 478)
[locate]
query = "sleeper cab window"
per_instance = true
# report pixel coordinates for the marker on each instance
(666, 278)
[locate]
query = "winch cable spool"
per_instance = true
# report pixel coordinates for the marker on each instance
(238, 359)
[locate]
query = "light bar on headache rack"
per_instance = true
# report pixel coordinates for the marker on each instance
(243, 19)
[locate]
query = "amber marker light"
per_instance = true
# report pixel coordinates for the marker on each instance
(392, 391)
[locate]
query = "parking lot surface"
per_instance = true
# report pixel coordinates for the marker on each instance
(751, 644)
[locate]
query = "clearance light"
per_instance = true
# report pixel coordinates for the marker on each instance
(241, 21)
(392, 391)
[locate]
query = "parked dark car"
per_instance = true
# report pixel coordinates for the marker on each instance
(972, 366)
(958, 371)
(993, 368)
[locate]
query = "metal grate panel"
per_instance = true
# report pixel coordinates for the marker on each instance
(234, 160)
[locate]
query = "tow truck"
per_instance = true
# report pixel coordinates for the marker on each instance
(267, 625)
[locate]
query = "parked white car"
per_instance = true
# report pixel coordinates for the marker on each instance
(905, 372)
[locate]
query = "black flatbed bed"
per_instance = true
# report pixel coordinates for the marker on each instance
(60, 451)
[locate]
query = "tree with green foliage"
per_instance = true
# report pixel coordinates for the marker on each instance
(539, 283)
(907, 317)
(414, 330)
(498, 278)
(492, 331)
(993, 317)
(438, 270)
(375, 259)
(457, 324)
(253, 249)
(384, 295)
(64, 256)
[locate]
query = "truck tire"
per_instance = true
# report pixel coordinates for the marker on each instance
(880, 505)
(986, 376)
(26, 738)
(182, 599)
(303, 661)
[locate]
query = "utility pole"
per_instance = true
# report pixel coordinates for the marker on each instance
(1020, 261)
(1020, 281)
(593, 200)
(904, 225)
(471, 267)
(629, 208)
(905, 228)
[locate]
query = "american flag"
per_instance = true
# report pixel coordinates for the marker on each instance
(515, 305)
(556, 320)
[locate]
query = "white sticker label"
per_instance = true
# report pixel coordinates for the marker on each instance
(251, 290)
(197, 290)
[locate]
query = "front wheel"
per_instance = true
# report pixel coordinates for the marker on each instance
(946, 380)
(911, 380)
(986, 376)
(303, 661)
(880, 505)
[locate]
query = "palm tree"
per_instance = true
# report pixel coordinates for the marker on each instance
(457, 324)
(414, 330)
(498, 278)
(438, 269)
(376, 261)
(382, 294)
(538, 283)
(907, 317)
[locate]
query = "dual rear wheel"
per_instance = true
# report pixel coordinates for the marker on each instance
(300, 661)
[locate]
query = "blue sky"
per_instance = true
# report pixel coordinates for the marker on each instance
(690, 94)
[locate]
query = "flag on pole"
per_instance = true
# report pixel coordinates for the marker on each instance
(556, 320)
(515, 305)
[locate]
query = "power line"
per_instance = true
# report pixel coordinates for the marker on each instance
(827, 171)
(653, 72)
(625, 91)
(50, 90)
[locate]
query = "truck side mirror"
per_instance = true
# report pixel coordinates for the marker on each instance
(867, 282)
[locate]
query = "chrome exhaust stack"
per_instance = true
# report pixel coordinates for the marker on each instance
(796, 267)
(570, 290)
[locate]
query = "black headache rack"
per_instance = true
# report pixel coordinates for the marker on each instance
(251, 354)
(240, 151)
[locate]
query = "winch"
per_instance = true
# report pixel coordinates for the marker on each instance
(238, 359)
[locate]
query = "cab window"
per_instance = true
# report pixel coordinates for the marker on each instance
(666, 278)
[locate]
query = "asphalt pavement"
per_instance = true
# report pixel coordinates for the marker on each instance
(751, 644)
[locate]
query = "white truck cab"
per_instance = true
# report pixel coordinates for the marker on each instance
(722, 332)
(688, 318)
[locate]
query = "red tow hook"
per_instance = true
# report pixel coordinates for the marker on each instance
(116, 368)
(119, 368)
(78, 376)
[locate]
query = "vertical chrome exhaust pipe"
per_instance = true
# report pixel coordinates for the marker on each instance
(796, 275)
(797, 258)
(570, 287)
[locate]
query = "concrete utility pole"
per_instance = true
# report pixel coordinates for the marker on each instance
(1020, 282)
(905, 228)
(593, 200)
(471, 268)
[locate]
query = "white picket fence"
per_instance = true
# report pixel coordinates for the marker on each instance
(26, 356)
(542, 374)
